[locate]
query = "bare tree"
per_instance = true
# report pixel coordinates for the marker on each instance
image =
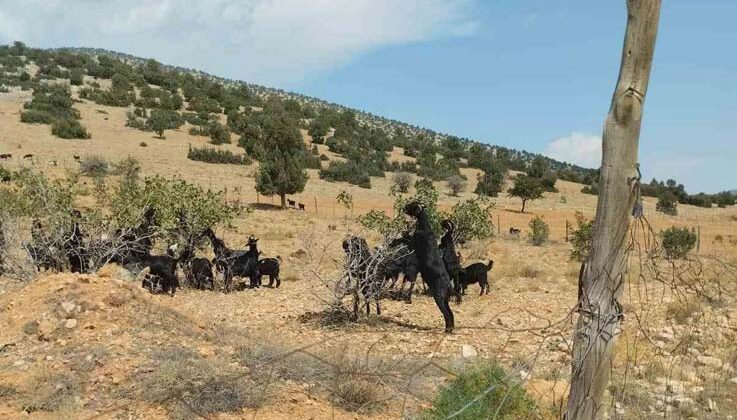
(602, 276)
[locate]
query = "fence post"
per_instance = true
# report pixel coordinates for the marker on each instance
(257, 199)
(316, 205)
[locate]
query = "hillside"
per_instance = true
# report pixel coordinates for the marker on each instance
(98, 345)
(390, 125)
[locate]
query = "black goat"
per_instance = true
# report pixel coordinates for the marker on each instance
(45, 254)
(301, 206)
(160, 271)
(514, 231)
(235, 263)
(430, 262)
(450, 257)
(477, 273)
(131, 246)
(405, 264)
(270, 267)
(292, 203)
(197, 270)
(5, 156)
(74, 248)
(28, 156)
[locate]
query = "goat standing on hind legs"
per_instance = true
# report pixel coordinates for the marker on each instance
(430, 262)
(450, 258)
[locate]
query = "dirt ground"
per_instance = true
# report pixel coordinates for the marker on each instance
(98, 346)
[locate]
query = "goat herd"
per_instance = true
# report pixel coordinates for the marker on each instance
(438, 264)
(415, 252)
(131, 247)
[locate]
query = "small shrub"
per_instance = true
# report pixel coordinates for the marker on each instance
(143, 144)
(207, 387)
(53, 393)
(69, 129)
(501, 397)
(219, 134)
(76, 77)
(94, 166)
(667, 204)
(34, 116)
(678, 242)
(402, 181)
(456, 184)
(681, 311)
(211, 155)
(347, 172)
(530, 272)
(357, 393)
(581, 238)
(539, 231)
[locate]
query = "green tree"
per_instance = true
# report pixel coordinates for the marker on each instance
(282, 168)
(491, 181)
(456, 184)
(318, 130)
(161, 120)
(667, 203)
(526, 188)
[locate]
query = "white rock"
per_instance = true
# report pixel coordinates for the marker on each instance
(70, 323)
(467, 351)
(68, 306)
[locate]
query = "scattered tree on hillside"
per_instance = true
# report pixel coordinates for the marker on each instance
(490, 183)
(526, 188)
(456, 184)
(318, 130)
(540, 170)
(161, 120)
(402, 182)
(281, 169)
(667, 204)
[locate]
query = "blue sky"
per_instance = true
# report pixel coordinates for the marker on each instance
(533, 75)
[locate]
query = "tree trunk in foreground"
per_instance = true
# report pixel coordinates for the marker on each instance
(603, 275)
(283, 200)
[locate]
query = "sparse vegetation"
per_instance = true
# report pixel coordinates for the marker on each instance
(667, 204)
(484, 391)
(581, 238)
(677, 242)
(539, 231)
(94, 166)
(402, 182)
(212, 155)
(208, 387)
(456, 184)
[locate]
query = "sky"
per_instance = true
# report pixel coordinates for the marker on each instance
(528, 74)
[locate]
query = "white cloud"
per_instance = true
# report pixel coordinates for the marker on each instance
(578, 148)
(268, 41)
